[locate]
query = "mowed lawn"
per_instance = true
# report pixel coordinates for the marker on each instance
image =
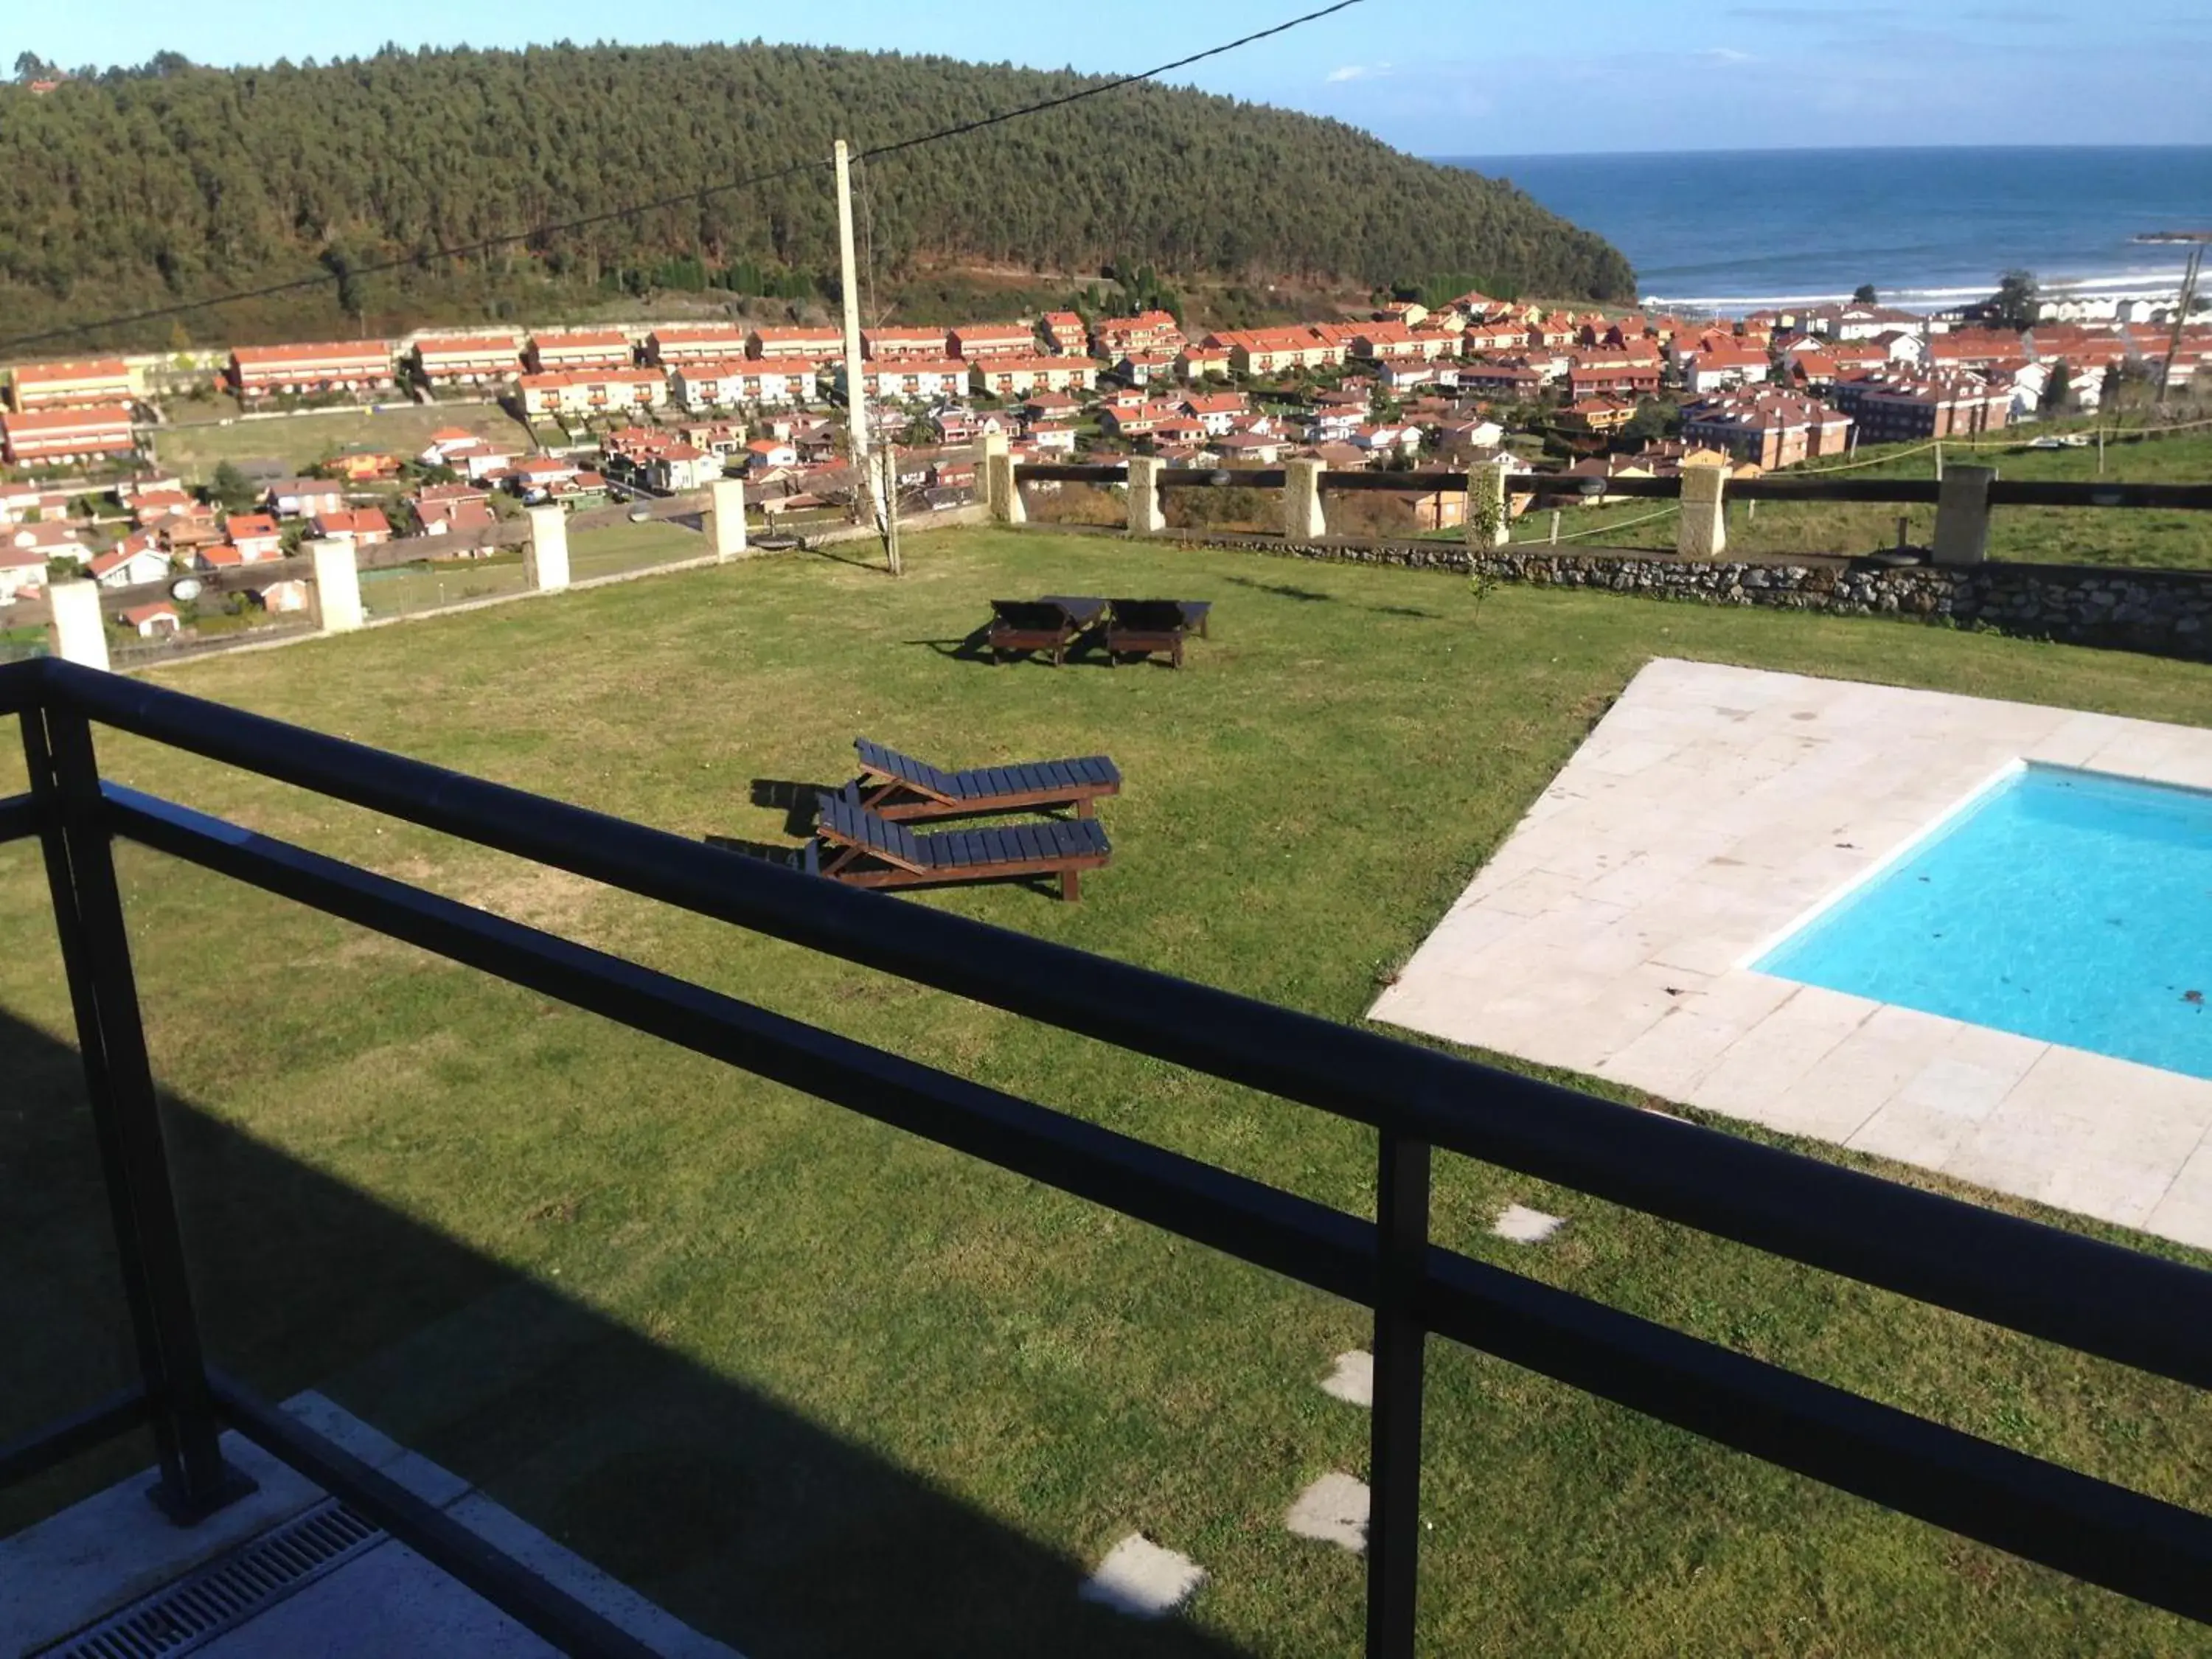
(823, 1389)
(2038, 534)
(196, 445)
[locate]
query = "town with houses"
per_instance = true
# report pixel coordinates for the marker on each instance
(614, 414)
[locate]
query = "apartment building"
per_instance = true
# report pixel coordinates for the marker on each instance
(468, 359)
(312, 370)
(578, 350)
(54, 437)
(100, 384)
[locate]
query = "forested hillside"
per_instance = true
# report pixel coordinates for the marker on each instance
(141, 187)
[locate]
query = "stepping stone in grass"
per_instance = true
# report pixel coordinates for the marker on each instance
(1353, 1379)
(1142, 1579)
(1332, 1511)
(1526, 1226)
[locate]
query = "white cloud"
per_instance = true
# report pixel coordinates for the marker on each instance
(1724, 55)
(1358, 72)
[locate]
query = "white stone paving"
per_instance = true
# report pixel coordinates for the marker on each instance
(1352, 1381)
(1142, 1579)
(1332, 1511)
(1524, 1225)
(1708, 813)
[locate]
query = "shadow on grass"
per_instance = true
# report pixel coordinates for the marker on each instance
(795, 800)
(774, 851)
(1088, 652)
(729, 1507)
(1306, 595)
(831, 553)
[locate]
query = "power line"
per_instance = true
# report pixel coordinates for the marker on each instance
(681, 199)
(1113, 86)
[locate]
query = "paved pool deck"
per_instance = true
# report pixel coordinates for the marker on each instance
(1709, 811)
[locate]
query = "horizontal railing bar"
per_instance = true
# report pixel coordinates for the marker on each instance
(1069, 472)
(1773, 487)
(2042, 492)
(2099, 1297)
(1241, 478)
(80, 1432)
(20, 816)
(23, 685)
(523, 1595)
(2140, 1546)
(2105, 1533)
(1418, 483)
(1239, 1217)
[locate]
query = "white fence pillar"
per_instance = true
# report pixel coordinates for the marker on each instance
(725, 517)
(1303, 518)
(337, 586)
(546, 560)
(80, 634)
(1962, 515)
(1702, 533)
(995, 471)
(1146, 517)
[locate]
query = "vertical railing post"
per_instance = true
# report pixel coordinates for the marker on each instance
(126, 1122)
(1393, 1512)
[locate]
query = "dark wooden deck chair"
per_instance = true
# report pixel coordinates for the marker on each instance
(851, 844)
(899, 787)
(1019, 626)
(1139, 627)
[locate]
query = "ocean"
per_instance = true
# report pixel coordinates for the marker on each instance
(1734, 230)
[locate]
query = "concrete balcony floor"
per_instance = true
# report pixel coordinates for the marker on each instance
(64, 1577)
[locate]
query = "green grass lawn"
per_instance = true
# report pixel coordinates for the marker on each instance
(823, 1389)
(194, 449)
(2181, 541)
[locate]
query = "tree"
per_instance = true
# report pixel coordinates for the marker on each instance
(29, 66)
(1864, 294)
(2013, 303)
(2054, 388)
(231, 490)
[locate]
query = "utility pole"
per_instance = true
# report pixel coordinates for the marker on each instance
(856, 402)
(2197, 239)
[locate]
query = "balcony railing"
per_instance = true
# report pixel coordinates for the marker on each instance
(2097, 1298)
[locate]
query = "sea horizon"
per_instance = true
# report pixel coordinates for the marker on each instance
(1928, 226)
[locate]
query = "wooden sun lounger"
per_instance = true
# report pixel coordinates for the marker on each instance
(1027, 625)
(851, 844)
(898, 787)
(1138, 628)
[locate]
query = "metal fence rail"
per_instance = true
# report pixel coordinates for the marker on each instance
(2098, 1298)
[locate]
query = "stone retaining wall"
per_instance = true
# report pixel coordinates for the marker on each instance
(2163, 612)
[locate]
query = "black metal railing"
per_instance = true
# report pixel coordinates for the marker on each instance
(2096, 1298)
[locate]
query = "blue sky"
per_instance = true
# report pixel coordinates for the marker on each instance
(1439, 79)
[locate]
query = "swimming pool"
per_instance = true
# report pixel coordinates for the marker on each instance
(2070, 907)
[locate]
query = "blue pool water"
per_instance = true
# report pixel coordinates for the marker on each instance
(2065, 905)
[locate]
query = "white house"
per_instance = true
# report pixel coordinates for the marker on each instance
(153, 621)
(132, 562)
(22, 570)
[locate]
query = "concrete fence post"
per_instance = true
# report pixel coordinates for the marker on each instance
(1146, 517)
(725, 517)
(1489, 511)
(1962, 515)
(80, 634)
(994, 469)
(337, 586)
(1702, 533)
(545, 562)
(1302, 518)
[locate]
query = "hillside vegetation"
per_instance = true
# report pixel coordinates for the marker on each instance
(140, 188)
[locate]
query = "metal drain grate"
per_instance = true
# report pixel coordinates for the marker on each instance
(228, 1591)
